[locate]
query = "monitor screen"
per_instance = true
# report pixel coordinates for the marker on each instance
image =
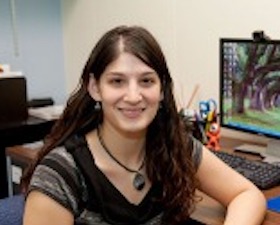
(250, 86)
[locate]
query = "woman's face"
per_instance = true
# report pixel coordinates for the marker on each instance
(130, 94)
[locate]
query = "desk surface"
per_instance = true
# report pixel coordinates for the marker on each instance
(16, 133)
(32, 129)
(211, 212)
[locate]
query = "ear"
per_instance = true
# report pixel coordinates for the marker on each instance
(93, 89)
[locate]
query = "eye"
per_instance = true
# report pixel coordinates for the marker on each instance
(147, 81)
(116, 81)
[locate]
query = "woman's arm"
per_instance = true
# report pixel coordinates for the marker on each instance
(43, 210)
(245, 203)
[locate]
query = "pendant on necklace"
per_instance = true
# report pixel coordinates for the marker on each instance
(139, 181)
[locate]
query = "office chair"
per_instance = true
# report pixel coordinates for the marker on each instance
(11, 210)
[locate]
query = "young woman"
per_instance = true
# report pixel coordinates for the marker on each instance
(120, 153)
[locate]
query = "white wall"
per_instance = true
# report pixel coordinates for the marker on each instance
(85, 21)
(188, 30)
(32, 43)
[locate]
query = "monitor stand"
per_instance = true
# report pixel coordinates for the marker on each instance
(270, 153)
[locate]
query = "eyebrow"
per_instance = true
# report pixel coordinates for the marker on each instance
(146, 73)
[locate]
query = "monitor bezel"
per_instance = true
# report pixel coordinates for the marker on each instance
(221, 80)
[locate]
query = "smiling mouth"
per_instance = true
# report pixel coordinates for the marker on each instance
(132, 113)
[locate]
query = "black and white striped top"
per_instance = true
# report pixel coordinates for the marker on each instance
(60, 177)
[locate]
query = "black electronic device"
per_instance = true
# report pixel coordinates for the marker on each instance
(40, 102)
(260, 36)
(13, 99)
(262, 174)
(250, 88)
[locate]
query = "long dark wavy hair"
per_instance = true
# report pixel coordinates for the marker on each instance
(168, 146)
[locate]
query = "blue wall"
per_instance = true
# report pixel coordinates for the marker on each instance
(40, 46)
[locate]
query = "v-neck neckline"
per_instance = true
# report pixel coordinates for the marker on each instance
(115, 191)
(104, 198)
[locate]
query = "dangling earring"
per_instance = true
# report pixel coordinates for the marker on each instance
(97, 106)
(160, 105)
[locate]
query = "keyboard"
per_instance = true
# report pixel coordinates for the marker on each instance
(262, 174)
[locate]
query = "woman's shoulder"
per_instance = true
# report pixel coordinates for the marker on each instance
(197, 148)
(61, 155)
(61, 162)
(66, 153)
(58, 176)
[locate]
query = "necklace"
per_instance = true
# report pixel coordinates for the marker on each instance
(139, 179)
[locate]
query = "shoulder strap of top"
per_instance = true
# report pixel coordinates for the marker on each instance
(76, 146)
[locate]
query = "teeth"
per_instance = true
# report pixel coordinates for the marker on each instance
(132, 112)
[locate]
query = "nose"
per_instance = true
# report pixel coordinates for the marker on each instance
(133, 93)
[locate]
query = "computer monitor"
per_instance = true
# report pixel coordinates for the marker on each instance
(250, 90)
